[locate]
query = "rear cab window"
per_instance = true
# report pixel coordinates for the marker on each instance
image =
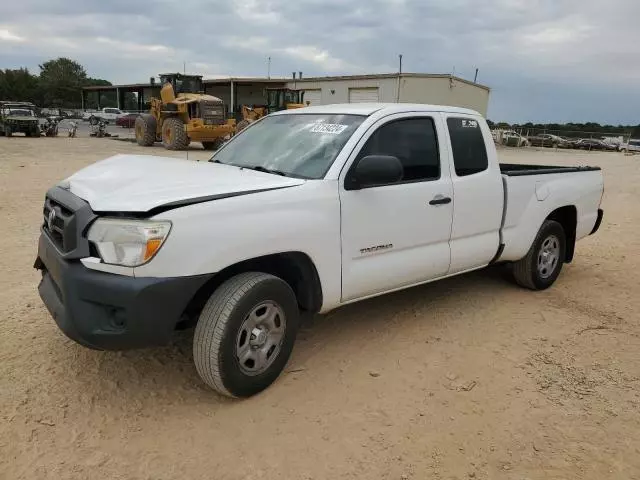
(467, 145)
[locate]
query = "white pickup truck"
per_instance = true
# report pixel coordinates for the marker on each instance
(304, 211)
(108, 114)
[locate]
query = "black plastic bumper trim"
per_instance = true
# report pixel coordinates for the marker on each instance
(596, 227)
(111, 312)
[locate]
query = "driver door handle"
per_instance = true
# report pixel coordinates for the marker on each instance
(440, 200)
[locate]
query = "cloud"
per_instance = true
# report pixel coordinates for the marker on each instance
(7, 36)
(544, 59)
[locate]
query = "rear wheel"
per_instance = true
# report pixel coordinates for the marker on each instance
(145, 128)
(174, 136)
(540, 268)
(245, 334)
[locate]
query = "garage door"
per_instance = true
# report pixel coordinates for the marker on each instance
(313, 97)
(363, 95)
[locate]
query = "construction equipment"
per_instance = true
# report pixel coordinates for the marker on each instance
(277, 99)
(184, 114)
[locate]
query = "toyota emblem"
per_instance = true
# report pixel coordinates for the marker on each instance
(50, 218)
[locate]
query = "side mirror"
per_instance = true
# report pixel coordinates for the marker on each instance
(374, 170)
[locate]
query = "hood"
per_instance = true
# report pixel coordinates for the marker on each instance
(140, 183)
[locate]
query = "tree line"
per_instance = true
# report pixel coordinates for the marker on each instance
(570, 129)
(58, 84)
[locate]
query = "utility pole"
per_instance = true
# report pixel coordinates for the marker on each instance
(269, 67)
(399, 75)
(475, 79)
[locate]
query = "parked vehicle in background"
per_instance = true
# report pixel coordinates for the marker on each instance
(53, 112)
(303, 212)
(18, 117)
(547, 140)
(570, 142)
(593, 144)
(514, 139)
(107, 114)
(128, 120)
(632, 146)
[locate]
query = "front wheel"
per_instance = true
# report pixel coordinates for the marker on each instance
(540, 268)
(174, 136)
(245, 334)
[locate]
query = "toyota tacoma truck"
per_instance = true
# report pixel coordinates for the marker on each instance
(302, 212)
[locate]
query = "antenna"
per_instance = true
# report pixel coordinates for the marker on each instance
(475, 78)
(269, 67)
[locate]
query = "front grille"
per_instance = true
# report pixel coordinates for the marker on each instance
(61, 226)
(68, 225)
(212, 113)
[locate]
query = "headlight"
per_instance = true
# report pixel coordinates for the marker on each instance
(128, 242)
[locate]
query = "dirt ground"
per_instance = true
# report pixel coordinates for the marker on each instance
(470, 377)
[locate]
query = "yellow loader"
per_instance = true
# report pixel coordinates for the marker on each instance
(184, 114)
(277, 99)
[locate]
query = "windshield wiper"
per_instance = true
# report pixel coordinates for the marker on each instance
(260, 168)
(257, 168)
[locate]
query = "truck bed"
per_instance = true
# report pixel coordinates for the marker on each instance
(515, 169)
(533, 192)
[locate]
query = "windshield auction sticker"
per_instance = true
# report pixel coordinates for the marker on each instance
(332, 128)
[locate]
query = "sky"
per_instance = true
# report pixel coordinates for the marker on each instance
(545, 60)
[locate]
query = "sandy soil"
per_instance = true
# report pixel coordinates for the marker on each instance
(471, 377)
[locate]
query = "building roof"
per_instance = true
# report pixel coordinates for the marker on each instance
(207, 81)
(388, 75)
(371, 108)
(240, 80)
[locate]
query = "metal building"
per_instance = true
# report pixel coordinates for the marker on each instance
(238, 91)
(405, 88)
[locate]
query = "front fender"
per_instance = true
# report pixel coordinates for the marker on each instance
(211, 236)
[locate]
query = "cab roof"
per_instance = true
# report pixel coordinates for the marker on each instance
(371, 108)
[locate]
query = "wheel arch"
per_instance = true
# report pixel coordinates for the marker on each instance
(567, 216)
(295, 268)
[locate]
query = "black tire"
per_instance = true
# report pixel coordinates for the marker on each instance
(528, 271)
(215, 145)
(220, 328)
(242, 124)
(174, 135)
(145, 129)
(7, 131)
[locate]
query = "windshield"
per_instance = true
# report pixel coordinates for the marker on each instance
(297, 145)
(20, 112)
